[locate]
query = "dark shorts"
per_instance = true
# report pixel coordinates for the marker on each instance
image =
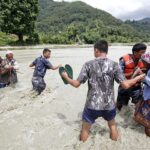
(90, 115)
(124, 95)
(2, 85)
(38, 84)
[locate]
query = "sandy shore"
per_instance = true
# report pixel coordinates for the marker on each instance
(52, 121)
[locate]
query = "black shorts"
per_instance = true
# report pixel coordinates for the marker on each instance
(124, 95)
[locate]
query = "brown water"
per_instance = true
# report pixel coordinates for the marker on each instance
(52, 121)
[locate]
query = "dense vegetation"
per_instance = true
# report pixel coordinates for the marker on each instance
(143, 26)
(77, 22)
(18, 17)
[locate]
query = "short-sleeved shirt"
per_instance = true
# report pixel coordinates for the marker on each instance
(146, 92)
(41, 65)
(101, 73)
(122, 64)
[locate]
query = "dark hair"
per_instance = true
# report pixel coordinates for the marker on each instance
(102, 46)
(46, 50)
(138, 47)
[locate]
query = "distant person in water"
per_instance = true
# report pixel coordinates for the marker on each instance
(41, 65)
(100, 73)
(8, 69)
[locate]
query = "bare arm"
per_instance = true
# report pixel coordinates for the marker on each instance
(129, 83)
(55, 67)
(74, 83)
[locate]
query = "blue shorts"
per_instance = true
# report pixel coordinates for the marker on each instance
(90, 115)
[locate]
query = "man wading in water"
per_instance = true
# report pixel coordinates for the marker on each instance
(100, 73)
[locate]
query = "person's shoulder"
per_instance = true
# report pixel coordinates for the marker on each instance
(93, 61)
(148, 73)
(89, 62)
(111, 61)
(125, 55)
(37, 58)
(46, 61)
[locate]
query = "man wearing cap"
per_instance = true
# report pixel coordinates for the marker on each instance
(142, 113)
(9, 67)
(41, 65)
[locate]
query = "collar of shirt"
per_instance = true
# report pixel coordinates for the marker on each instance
(43, 56)
(101, 57)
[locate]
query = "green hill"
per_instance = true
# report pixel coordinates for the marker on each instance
(142, 26)
(65, 22)
(77, 22)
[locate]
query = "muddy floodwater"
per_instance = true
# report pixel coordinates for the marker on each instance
(52, 121)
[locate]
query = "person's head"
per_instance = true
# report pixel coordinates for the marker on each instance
(100, 47)
(46, 53)
(139, 49)
(146, 60)
(9, 55)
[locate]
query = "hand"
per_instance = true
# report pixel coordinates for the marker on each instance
(9, 67)
(137, 72)
(60, 65)
(64, 74)
(140, 77)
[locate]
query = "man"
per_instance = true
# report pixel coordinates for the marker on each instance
(41, 65)
(130, 64)
(100, 73)
(9, 67)
(142, 113)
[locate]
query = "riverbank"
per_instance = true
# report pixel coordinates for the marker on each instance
(56, 46)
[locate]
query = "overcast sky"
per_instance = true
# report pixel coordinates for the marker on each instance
(122, 9)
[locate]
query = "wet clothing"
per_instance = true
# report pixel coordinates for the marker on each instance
(142, 113)
(146, 93)
(134, 93)
(38, 84)
(9, 76)
(100, 73)
(90, 115)
(41, 65)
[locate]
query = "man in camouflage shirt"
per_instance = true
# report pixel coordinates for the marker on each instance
(100, 73)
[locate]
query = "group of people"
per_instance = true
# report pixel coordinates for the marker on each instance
(8, 70)
(132, 73)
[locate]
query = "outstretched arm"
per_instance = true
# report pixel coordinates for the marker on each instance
(74, 83)
(55, 67)
(129, 83)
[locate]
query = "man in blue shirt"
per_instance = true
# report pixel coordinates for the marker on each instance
(41, 65)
